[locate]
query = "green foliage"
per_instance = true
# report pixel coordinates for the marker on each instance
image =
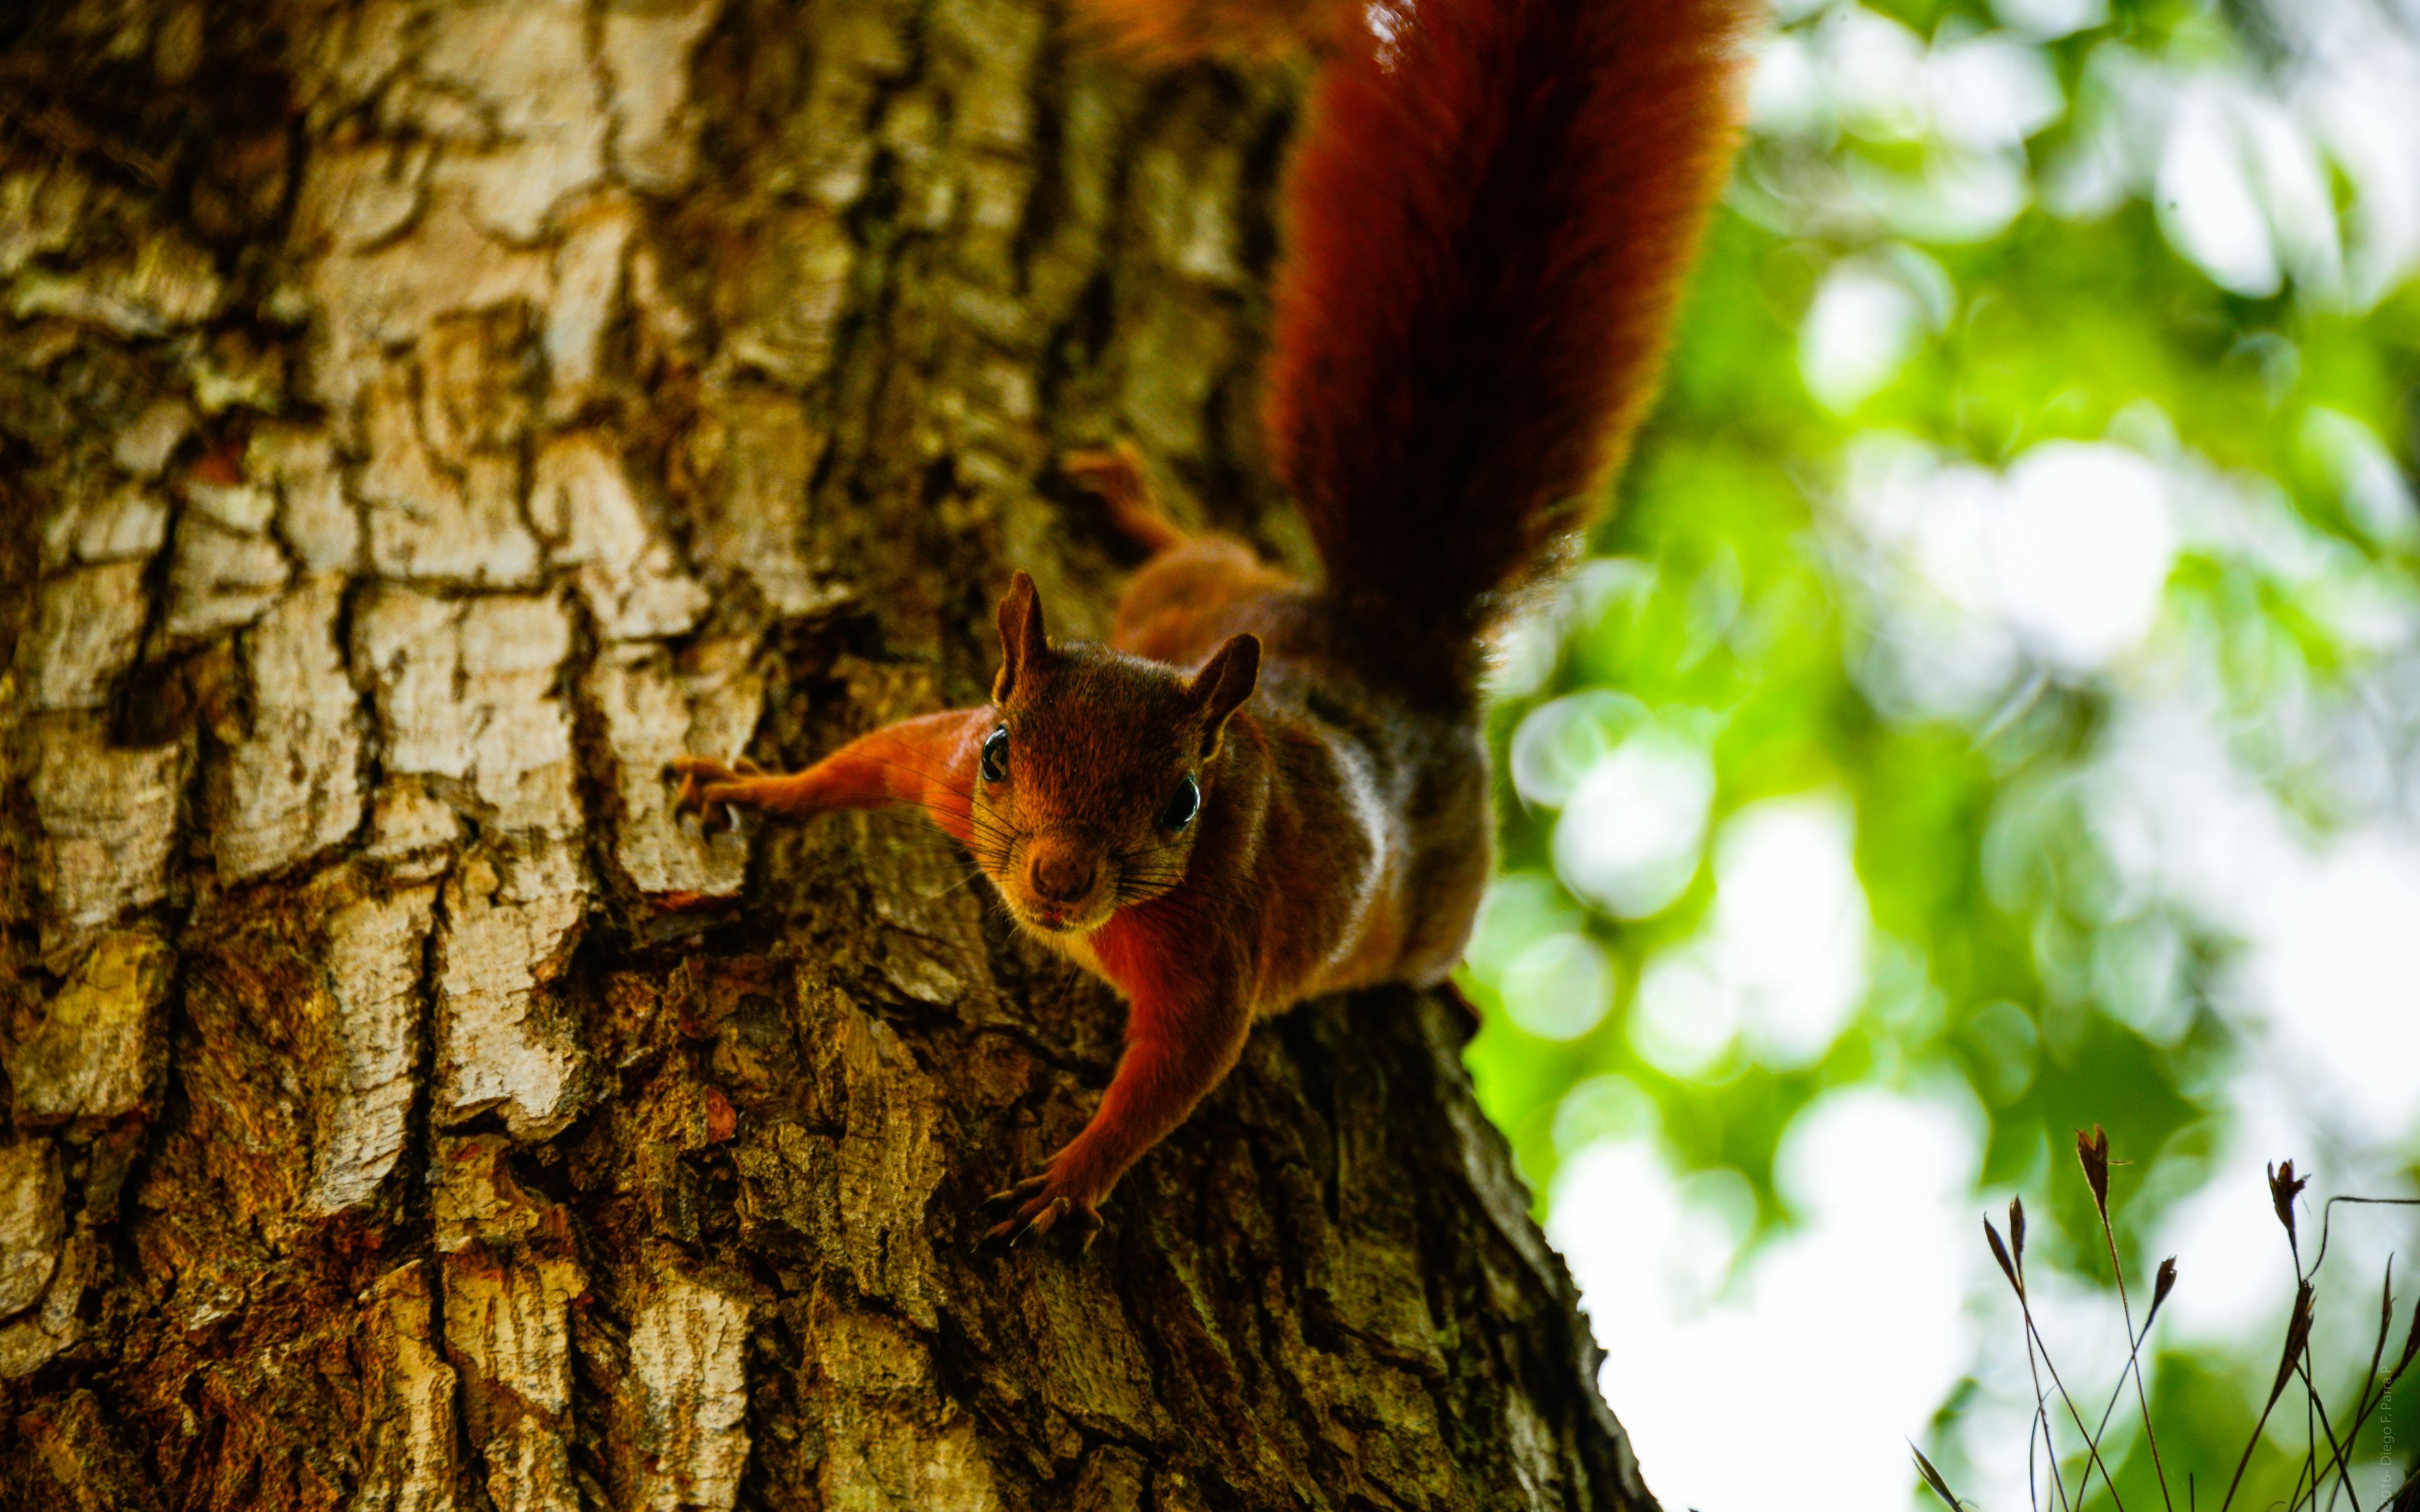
(1735, 608)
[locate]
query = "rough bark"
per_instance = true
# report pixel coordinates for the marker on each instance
(418, 419)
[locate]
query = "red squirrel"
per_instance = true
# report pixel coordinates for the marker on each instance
(1262, 790)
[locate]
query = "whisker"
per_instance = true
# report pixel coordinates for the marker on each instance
(961, 885)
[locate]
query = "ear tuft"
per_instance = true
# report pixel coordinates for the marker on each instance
(1224, 681)
(1022, 643)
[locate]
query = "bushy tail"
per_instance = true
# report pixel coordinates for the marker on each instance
(1491, 214)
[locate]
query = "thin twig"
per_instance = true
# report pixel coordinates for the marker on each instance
(2327, 1214)
(2311, 1389)
(2135, 1368)
(2013, 1268)
(2370, 1379)
(2033, 1487)
(2091, 1449)
(2134, 1351)
(2298, 1333)
(2386, 1388)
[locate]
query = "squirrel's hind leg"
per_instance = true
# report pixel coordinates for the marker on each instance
(1114, 476)
(1182, 603)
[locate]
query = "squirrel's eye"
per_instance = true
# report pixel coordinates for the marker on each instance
(1183, 807)
(995, 756)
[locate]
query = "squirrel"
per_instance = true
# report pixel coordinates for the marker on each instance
(1261, 790)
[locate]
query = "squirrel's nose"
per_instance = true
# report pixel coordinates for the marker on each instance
(1059, 873)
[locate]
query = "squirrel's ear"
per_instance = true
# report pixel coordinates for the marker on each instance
(1021, 641)
(1225, 681)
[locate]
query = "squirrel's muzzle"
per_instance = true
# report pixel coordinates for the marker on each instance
(1061, 868)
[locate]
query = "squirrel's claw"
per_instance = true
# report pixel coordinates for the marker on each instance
(1010, 1195)
(709, 788)
(1016, 1229)
(1038, 1211)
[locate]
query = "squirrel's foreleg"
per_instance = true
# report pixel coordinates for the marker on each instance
(929, 762)
(1177, 1050)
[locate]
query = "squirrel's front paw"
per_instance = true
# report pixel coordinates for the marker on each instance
(1037, 1205)
(709, 788)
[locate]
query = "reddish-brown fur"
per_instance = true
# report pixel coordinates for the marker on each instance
(1490, 219)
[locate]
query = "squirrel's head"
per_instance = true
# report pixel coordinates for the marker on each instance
(1100, 773)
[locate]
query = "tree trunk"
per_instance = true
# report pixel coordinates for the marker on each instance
(419, 421)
